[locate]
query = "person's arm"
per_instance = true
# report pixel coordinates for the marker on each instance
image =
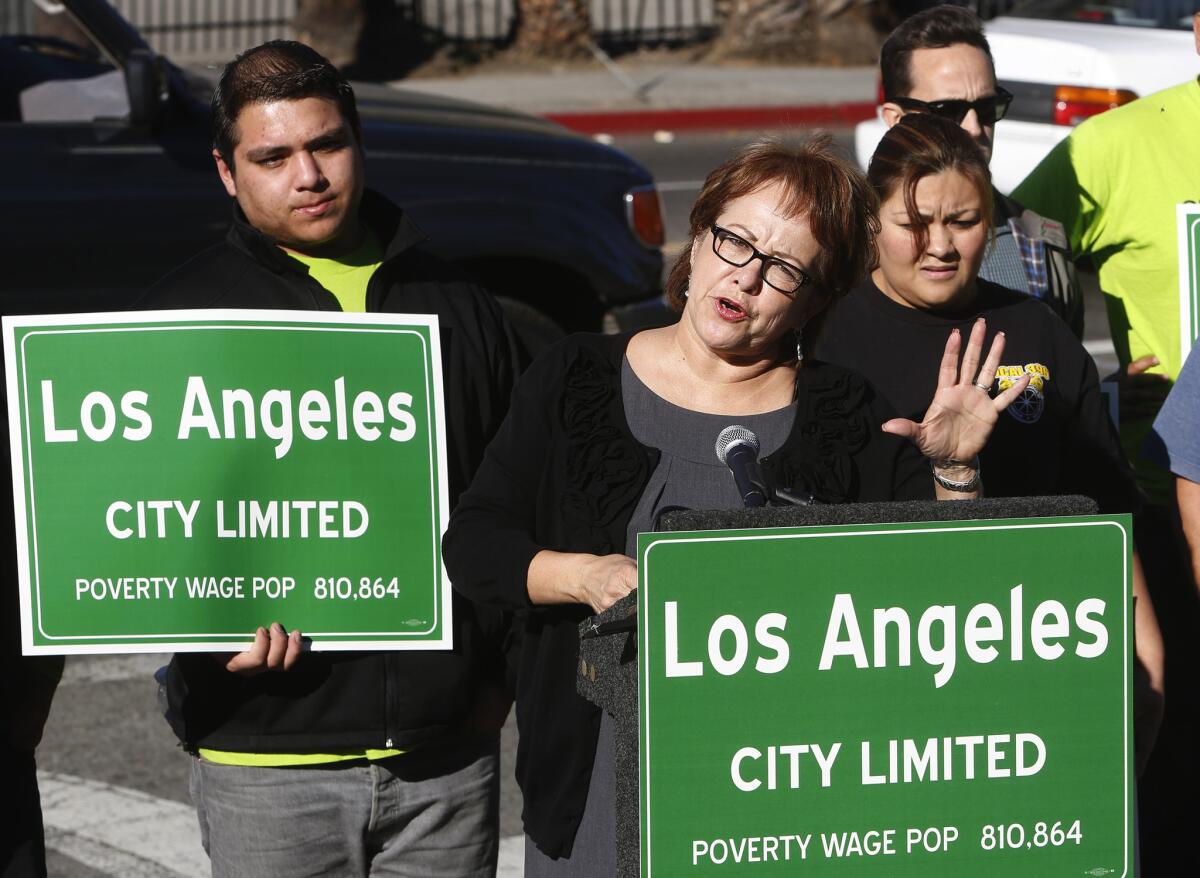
(1092, 463)
(39, 676)
(1174, 443)
(490, 547)
(490, 543)
(1148, 683)
(961, 416)
(579, 578)
(1091, 460)
(1187, 494)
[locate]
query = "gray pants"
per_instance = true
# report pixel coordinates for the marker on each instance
(430, 813)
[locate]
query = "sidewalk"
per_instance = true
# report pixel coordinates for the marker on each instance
(643, 98)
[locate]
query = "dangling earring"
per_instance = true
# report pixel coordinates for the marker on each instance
(800, 345)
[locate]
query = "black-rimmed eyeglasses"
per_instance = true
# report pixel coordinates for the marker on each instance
(990, 109)
(777, 274)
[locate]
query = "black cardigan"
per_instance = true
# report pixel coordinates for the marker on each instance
(564, 473)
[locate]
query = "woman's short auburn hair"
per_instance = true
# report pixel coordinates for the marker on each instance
(820, 185)
(921, 145)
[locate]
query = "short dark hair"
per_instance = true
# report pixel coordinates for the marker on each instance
(921, 145)
(279, 70)
(934, 28)
(820, 185)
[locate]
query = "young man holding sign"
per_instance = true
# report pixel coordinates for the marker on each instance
(340, 763)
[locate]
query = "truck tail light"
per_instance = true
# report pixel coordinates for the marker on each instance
(1073, 104)
(643, 212)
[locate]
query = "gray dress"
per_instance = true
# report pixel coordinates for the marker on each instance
(688, 474)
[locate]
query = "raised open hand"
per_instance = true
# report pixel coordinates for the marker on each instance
(961, 416)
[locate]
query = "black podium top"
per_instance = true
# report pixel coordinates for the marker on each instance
(879, 513)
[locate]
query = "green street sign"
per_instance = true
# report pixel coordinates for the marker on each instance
(931, 699)
(182, 477)
(1187, 217)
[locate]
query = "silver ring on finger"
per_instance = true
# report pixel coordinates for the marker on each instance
(986, 388)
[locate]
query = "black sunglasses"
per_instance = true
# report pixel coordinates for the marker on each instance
(779, 275)
(990, 109)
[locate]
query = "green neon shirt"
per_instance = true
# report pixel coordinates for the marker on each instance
(1114, 184)
(292, 760)
(347, 277)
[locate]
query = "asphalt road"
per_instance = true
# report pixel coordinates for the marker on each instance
(115, 788)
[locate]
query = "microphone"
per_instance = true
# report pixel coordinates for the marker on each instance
(737, 448)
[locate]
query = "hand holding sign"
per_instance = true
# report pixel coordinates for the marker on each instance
(606, 579)
(274, 651)
(598, 581)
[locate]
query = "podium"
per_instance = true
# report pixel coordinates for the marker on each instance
(609, 646)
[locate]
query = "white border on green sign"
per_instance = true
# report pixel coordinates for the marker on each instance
(766, 534)
(226, 319)
(1187, 220)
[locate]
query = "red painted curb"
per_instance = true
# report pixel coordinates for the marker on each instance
(714, 119)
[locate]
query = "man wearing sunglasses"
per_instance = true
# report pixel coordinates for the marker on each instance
(938, 61)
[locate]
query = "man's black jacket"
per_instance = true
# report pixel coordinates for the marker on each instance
(351, 701)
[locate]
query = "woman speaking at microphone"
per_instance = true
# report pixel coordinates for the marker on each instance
(605, 431)
(1055, 437)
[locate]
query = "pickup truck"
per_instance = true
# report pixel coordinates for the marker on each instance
(110, 184)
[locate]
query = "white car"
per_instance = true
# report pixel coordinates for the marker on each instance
(1065, 61)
